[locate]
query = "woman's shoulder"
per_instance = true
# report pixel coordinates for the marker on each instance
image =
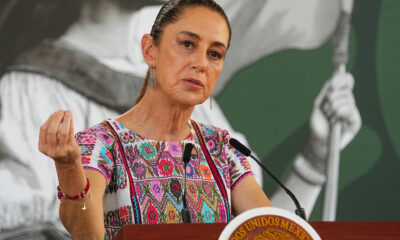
(99, 133)
(208, 130)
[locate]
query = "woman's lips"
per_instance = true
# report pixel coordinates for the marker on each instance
(194, 82)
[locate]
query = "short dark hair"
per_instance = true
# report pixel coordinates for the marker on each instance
(169, 13)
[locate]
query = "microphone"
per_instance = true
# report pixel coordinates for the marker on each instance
(187, 153)
(245, 151)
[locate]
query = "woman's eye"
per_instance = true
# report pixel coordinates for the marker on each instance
(187, 44)
(215, 55)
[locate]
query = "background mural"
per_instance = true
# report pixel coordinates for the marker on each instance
(269, 101)
(369, 179)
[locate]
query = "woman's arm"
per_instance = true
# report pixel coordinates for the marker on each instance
(88, 223)
(57, 140)
(247, 194)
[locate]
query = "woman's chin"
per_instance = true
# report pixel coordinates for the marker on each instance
(190, 100)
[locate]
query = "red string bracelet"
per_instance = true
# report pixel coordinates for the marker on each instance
(61, 194)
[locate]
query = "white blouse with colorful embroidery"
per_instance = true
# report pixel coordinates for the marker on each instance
(145, 177)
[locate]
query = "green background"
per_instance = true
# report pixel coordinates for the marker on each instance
(271, 102)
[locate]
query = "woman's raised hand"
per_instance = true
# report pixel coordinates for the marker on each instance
(56, 139)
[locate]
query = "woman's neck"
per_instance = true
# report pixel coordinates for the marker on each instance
(159, 118)
(101, 31)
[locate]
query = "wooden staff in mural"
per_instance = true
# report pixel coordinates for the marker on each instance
(340, 58)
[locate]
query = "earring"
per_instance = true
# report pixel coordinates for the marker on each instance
(210, 103)
(152, 79)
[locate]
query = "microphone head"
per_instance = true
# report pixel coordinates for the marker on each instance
(240, 147)
(187, 152)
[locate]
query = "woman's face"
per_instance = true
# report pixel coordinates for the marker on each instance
(190, 55)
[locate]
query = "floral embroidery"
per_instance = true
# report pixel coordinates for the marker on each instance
(192, 190)
(85, 160)
(88, 139)
(208, 129)
(222, 212)
(207, 189)
(156, 189)
(87, 149)
(174, 149)
(189, 170)
(127, 137)
(139, 190)
(106, 157)
(117, 125)
(107, 139)
(155, 170)
(176, 188)
(139, 170)
(147, 150)
(245, 164)
(207, 214)
(165, 167)
(205, 170)
(238, 154)
(112, 185)
(123, 214)
(120, 175)
(112, 218)
(211, 144)
(152, 214)
(171, 213)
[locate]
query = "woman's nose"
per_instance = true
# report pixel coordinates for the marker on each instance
(199, 61)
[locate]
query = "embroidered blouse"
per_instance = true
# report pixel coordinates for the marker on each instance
(145, 177)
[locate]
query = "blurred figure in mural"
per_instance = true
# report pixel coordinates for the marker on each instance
(65, 54)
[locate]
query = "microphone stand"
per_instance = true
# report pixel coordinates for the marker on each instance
(186, 214)
(245, 151)
(299, 210)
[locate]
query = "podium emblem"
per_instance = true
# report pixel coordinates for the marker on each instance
(268, 223)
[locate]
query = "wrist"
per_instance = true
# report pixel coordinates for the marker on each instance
(82, 194)
(70, 166)
(71, 177)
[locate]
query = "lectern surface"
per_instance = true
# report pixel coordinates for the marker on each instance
(327, 231)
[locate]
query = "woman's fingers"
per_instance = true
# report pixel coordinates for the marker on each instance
(56, 138)
(71, 128)
(50, 133)
(43, 136)
(43, 133)
(54, 128)
(65, 128)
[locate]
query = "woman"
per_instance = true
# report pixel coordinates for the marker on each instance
(130, 169)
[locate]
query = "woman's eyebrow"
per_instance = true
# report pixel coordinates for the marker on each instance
(192, 34)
